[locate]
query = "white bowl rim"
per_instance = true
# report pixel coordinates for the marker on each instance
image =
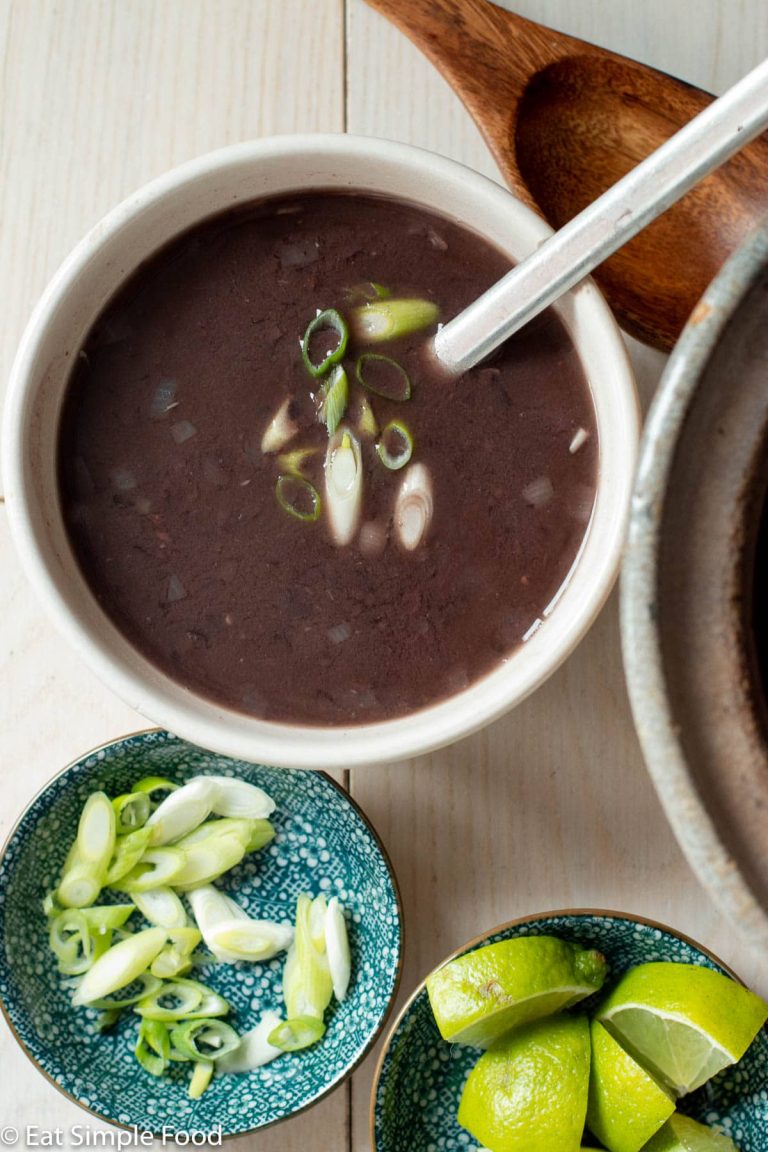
(241, 736)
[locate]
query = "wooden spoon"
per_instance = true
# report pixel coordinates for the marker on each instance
(565, 120)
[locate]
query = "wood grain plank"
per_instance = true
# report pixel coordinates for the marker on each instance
(99, 96)
(551, 807)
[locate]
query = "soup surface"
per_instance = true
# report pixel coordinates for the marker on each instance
(170, 498)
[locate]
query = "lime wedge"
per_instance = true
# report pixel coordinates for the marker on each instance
(478, 997)
(528, 1093)
(626, 1106)
(681, 1134)
(681, 1022)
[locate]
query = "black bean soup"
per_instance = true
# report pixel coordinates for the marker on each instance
(315, 542)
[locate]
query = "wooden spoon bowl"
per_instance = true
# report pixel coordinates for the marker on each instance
(565, 120)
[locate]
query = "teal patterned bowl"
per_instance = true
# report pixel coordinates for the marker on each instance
(420, 1077)
(323, 843)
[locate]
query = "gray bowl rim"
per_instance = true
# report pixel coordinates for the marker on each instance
(664, 756)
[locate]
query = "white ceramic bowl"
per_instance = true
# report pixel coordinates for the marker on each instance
(92, 274)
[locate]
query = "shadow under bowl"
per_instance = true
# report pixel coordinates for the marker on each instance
(420, 1076)
(323, 843)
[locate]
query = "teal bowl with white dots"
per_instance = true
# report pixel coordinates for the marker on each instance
(420, 1077)
(323, 844)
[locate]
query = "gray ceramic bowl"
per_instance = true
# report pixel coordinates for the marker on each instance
(690, 596)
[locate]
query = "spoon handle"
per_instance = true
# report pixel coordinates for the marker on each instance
(702, 145)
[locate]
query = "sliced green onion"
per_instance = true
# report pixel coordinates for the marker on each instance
(254, 1049)
(176, 956)
(131, 811)
(388, 319)
(161, 907)
(189, 1000)
(280, 429)
(298, 498)
(157, 868)
(297, 1033)
(79, 886)
(96, 832)
(238, 798)
(366, 420)
(143, 985)
(337, 949)
(343, 485)
(255, 940)
(129, 850)
(153, 1047)
(105, 917)
(74, 944)
(253, 834)
(181, 812)
(107, 1020)
(204, 1039)
(229, 931)
(208, 860)
(367, 290)
(157, 788)
(51, 906)
(395, 445)
(201, 1078)
(307, 985)
(293, 462)
(317, 913)
(335, 394)
(120, 965)
(414, 507)
(384, 376)
(329, 319)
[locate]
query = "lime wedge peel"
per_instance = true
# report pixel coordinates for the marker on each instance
(682, 1022)
(682, 1134)
(528, 1092)
(626, 1106)
(480, 996)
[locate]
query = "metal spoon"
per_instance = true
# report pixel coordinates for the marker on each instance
(565, 120)
(614, 218)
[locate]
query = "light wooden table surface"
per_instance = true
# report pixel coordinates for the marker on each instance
(548, 808)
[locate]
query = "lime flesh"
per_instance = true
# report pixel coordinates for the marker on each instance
(681, 1134)
(480, 996)
(528, 1092)
(626, 1105)
(683, 1023)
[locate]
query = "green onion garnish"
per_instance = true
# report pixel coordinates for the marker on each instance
(128, 851)
(366, 420)
(293, 462)
(343, 485)
(156, 787)
(131, 811)
(395, 445)
(335, 393)
(204, 1039)
(367, 290)
(120, 966)
(201, 1078)
(153, 1047)
(388, 319)
(384, 376)
(298, 498)
(182, 811)
(332, 320)
(182, 1000)
(307, 983)
(297, 1033)
(157, 868)
(128, 994)
(175, 957)
(161, 907)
